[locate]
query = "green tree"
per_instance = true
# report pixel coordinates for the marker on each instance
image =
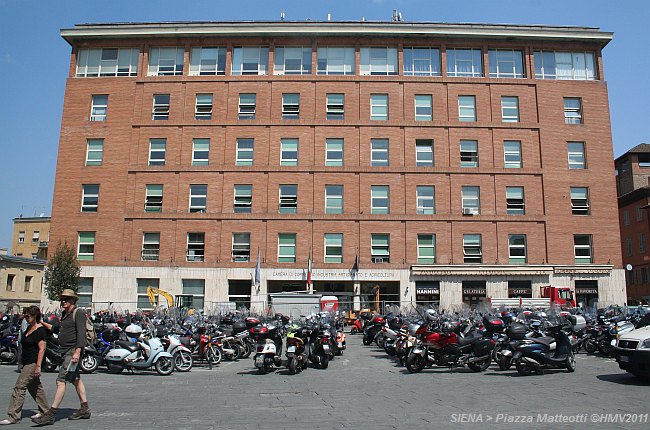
(62, 271)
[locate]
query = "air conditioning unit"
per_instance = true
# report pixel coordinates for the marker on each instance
(470, 211)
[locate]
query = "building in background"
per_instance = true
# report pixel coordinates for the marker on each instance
(633, 183)
(426, 162)
(21, 282)
(31, 237)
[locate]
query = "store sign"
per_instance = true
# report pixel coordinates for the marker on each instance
(338, 275)
(520, 291)
(474, 291)
(586, 290)
(428, 291)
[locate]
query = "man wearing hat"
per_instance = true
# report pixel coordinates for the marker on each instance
(72, 340)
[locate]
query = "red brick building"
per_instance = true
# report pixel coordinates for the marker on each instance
(446, 162)
(633, 176)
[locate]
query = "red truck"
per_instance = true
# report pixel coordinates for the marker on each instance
(558, 295)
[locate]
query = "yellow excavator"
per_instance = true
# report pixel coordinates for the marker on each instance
(151, 292)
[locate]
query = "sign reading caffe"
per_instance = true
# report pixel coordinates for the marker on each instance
(520, 292)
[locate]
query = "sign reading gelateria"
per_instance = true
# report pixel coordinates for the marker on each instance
(324, 275)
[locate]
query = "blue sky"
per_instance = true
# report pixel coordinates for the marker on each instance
(34, 62)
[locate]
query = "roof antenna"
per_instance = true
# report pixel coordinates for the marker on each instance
(282, 16)
(397, 16)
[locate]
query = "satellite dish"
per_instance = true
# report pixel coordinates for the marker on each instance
(628, 267)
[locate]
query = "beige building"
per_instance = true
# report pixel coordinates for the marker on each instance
(21, 281)
(31, 237)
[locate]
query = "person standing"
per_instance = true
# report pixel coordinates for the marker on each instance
(72, 340)
(33, 351)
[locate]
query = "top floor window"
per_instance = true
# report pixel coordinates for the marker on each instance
(378, 61)
(207, 61)
(506, 63)
(565, 65)
(250, 60)
(335, 60)
(292, 60)
(107, 62)
(166, 61)
(465, 63)
(421, 61)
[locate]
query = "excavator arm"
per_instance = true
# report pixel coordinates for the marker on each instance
(151, 292)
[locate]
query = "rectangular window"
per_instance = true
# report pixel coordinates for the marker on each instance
(628, 247)
(424, 153)
(151, 246)
(247, 104)
(335, 108)
(286, 248)
(333, 152)
(86, 246)
(467, 108)
(195, 246)
(379, 199)
(153, 201)
(207, 61)
(421, 61)
(28, 283)
(250, 60)
(642, 243)
(200, 152)
(639, 214)
(515, 201)
(577, 158)
(157, 149)
(160, 107)
(471, 200)
(94, 152)
(244, 152)
(509, 109)
(426, 248)
(579, 201)
(166, 61)
(423, 107)
(36, 237)
(380, 248)
(572, 110)
(290, 106)
(378, 61)
(21, 237)
(288, 152)
(294, 60)
(468, 153)
(241, 247)
(582, 248)
(512, 154)
(193, 294)
(90, 197)
(517, 249)
(243, 199)
(626, 218)
(203, 107)
(10, 282)
(426, 201)
(506, 63)
(465, 63)
(288, 199)
(198, 198)
(379, 152)
(333, 199)
(335, 60)
(333, 248)
(472, 250)
(99, 107)
(142, 285)
(85, 292)
(378, 106)
(564, 65)
(107, 62)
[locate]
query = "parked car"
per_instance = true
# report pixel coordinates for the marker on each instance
(632, 352)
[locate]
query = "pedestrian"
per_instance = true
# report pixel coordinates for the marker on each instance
(33, 347)
(72, 340)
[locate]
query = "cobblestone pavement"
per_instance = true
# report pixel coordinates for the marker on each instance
(363, 389)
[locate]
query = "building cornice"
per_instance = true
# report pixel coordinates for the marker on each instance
(505, 270)
(339, 29)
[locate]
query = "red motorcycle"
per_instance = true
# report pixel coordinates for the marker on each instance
(443, 346)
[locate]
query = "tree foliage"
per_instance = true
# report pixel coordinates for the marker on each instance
(62, 271)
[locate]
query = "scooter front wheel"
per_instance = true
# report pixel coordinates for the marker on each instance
(88, 363)
(213, 355)
(415, 363)
(183, 361)
(164, 366)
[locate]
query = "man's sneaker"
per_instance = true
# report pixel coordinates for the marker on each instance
(7, 422)
(36, 415)
(45, 419)
(81, 414)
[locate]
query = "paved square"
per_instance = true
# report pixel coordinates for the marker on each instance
(363, 389)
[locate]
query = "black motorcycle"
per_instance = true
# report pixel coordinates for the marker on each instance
(538, 355)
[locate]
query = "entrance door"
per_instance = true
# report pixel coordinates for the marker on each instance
(587, 293)
(474, 293)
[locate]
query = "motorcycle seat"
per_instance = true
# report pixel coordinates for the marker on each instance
(131, 346)
(546, 340)
(185, 340)
(226, 331)
(466, 340)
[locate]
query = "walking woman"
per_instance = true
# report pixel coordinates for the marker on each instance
(33, 343)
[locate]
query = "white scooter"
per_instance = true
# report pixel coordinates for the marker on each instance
(183, 361)
(142, 354)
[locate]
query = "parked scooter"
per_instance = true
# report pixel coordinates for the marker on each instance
(268, 347)
(297, 350)
(538, 355)
(182, 355)
(8, 342)
(142, 354)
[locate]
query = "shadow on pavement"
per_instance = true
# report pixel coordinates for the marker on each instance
(625, 379)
